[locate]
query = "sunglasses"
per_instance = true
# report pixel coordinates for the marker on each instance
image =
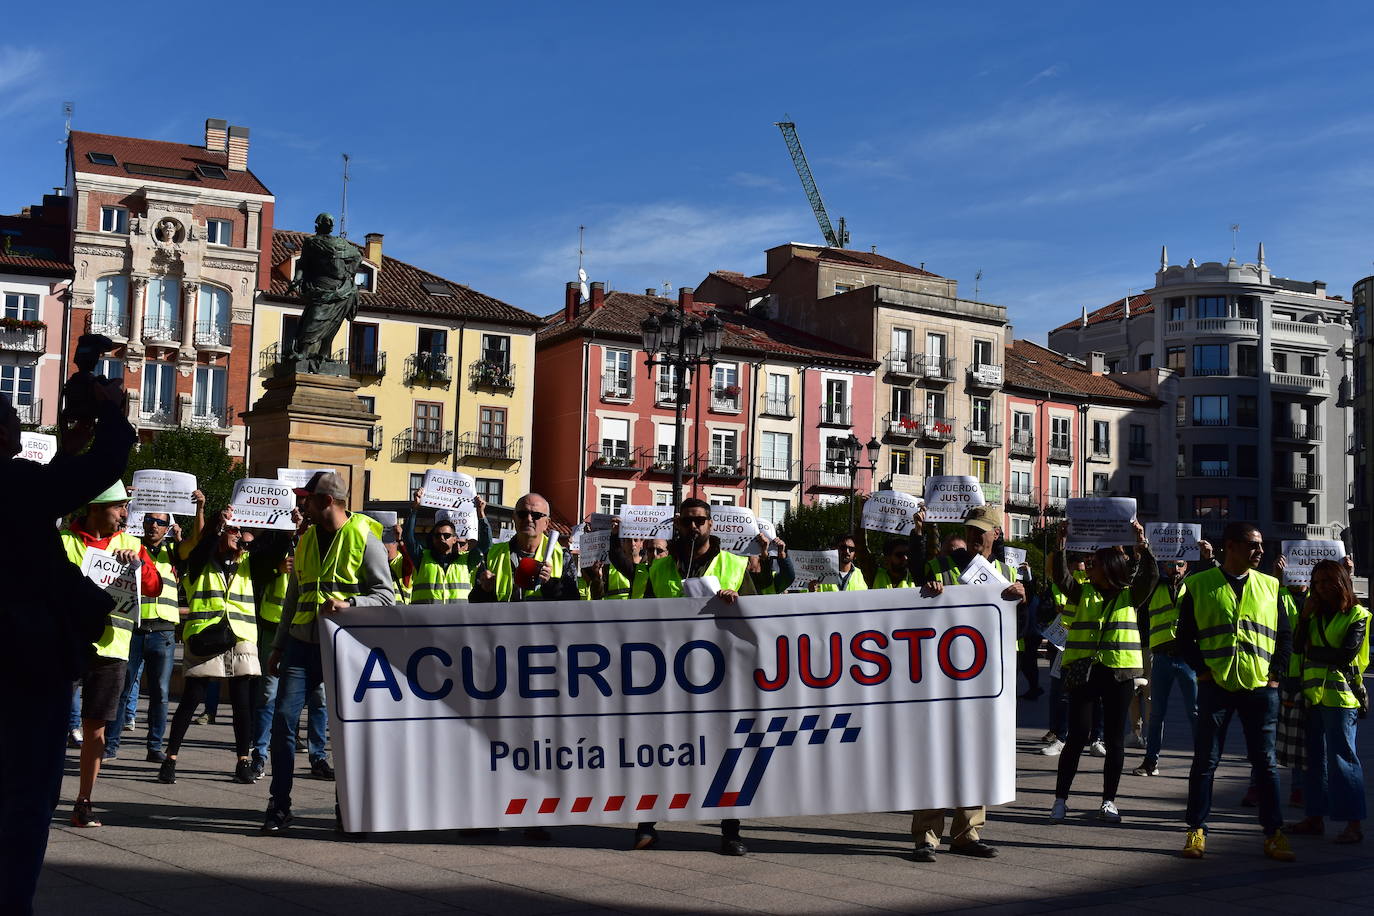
(696, 519)
(445, 535)
(530, 514)
(845, 548)
(156, 522)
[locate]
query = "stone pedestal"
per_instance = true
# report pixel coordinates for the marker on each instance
(310, 421)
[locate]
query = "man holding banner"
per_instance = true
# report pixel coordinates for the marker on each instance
(340, 563)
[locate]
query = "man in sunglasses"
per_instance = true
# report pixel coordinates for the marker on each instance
(530, 566)
(851, 577)
(153, 644)
(443, 566)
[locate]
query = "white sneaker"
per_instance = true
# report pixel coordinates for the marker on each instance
(1109, 813)
(74, 738)
(1097, 749)
(1060, 810)
(1048, 738)
(1053, 749)
(1147, 768)
(130, 725)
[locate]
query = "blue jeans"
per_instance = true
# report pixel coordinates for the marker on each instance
(31, 762)
(1166, 672)
(1334, 781)
(301, 672)
(265, 704)
(156, 652)
(1258, 711)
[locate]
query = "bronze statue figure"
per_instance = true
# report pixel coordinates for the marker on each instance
(326, 273)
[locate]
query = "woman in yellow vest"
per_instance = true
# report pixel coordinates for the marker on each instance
(1106, 637)
(219, 583)
(1333, 638)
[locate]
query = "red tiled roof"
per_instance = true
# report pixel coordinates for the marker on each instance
(160, 154)
(33, 265)
(400, 288)
(1039, 370)
(750, 284)
(744, 334)
(1140, 305)
(870, 259)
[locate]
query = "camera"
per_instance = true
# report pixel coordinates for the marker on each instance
(78, 394)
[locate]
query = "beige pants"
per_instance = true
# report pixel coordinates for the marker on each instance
(929, 825)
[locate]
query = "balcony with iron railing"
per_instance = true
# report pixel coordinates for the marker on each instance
(162, 331)
(721, 466)
(616, 457)
(902, 364)
(1298, 432)
(901, 425)
(988, 436)
(985, 375)
(1100, 450)
(835, 415)
(487, 373)
(936, 368)
(1025, 500)
(1211, 421)
(725, 398)
(31, 413)
(778, 405)
(1297, 481)
(210, 418)
(472, 446)
(428, 369)
(1022, 444)
(161, 416)
(421, 442)
(374, 438)
(31, 339)
(214, 335)
(1139, 452)
(1060, 451)
(938, 429)
(661, 461)
(365, 363)
(834, 475)
(1212, 469)
(781, 473)
(665, 395)
(268, 360)
(111, 324)
(1055, 505)
(616, 387)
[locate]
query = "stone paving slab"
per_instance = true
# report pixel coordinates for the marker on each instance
(194, 848)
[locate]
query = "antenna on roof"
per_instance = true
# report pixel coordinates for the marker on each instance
(68, 109)
(1235, 229)
(667, 290)
(343, 207)
(977, 282)
(582, 274)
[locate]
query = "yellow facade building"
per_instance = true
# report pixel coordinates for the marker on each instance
(448, 370)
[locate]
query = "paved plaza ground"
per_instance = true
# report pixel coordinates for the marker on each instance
(194, 848)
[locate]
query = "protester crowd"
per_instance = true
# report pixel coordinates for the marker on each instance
(1122, 632)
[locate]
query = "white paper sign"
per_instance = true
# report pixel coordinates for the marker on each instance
(119, 580)
(700, 586)
(646, 522)
(1057, 633)
(948, 498)
(1173, 540)
(819, 566)
(1301, 556)
(261, 503)
(382, 517)
(595, 547)
(600, 521)
(164, 491)
(299, 477)
(737, 529)
(464, 521)
(447, 489)
(680, 685)
(38, 447)
(1013, 556)
(134, 523)
(1100, 521)
(891, 512)
(981, 572)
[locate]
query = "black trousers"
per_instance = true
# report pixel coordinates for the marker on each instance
(240, 700)
(1116, 701)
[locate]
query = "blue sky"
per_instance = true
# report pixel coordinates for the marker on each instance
(1054, 146)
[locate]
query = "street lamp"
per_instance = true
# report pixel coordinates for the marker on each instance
(681, 343)
(854, 446)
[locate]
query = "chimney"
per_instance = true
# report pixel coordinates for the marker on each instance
(216, 135)
(598, 295)
(372, 247)
(1097, 362)
(572, 296)
(238, 149)
(650, 291)
(686, 299)
(1083, 322)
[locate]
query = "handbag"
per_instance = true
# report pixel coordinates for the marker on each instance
(1076, 673)
(216, 639)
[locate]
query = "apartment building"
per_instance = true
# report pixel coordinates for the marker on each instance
(1361, 487)
(35, 273)
(1262, 414)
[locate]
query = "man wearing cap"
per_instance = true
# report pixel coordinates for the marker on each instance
(981, 524)
(153, 645)
(530, 565)
(103, 683)
(340, 563)
(51, 616)
(443, 571)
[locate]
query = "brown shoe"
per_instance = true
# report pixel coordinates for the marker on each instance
(1308, 826)
(83, 815)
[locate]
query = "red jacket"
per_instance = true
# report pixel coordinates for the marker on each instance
(150, 579)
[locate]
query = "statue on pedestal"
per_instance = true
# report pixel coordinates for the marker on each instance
(326, 273)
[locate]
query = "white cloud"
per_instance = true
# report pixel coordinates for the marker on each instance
(1049, 72)
(20, 85)
(755, 180)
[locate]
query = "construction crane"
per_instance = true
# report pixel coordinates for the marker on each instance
(813, 194)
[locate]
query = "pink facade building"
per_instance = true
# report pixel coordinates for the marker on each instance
(764, 427)
(35, 275)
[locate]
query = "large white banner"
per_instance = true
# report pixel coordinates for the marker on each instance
(670, 709)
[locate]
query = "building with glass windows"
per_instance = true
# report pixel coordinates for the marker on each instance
(35, 272)
(170, 242)
(1262, 416)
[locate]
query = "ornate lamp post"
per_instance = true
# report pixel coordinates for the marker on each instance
(683, 344)
(854, 447)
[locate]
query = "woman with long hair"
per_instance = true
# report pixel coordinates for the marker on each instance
(1333, 639)
(1106, 639)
